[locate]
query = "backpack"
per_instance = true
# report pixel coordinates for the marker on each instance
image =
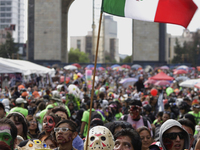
(143, 117)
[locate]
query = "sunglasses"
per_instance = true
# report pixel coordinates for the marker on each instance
(62, 129)
(174, 135)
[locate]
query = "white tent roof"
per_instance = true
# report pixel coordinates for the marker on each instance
(22, 66)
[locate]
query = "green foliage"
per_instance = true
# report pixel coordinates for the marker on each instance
(109, 59)
(127, 59)
(75, 56)
(189, 52)
(9, 47)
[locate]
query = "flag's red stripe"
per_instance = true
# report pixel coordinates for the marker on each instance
(175, 11)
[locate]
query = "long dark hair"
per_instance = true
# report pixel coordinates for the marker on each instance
(20, 118)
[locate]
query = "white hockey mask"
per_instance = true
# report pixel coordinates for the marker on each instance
(100, 138)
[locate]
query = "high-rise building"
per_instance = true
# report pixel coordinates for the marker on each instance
(108, 43)
(12, 14)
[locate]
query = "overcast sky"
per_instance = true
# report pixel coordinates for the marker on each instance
(80, 22)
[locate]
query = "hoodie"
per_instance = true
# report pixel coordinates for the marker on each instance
(169, 124)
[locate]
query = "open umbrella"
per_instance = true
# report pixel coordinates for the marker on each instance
(180, 72)
(150, 82)
(128, 81)
(189, 83)
(70, 67)
(162, 83)
(89, 67)
(126, 66)
(77, 65)
(136, 67)
(116, 65)
(100, 69)
(197, 85)
(182, 78)
(164, 67)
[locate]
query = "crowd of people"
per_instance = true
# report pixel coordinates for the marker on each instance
(135, 116)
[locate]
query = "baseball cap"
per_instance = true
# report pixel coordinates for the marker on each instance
(20, 100)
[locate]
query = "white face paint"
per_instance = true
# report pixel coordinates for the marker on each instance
(100, 138)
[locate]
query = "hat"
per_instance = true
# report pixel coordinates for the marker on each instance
(195, 103)
(20, 100)
(24, 94)
(56, 96)
(2, 106)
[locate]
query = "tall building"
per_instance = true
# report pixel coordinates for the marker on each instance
(108, 43)
(12, 12)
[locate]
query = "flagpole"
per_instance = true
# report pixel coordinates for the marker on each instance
(95, 64)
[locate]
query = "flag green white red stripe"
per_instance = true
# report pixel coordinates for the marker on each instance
(165, 11)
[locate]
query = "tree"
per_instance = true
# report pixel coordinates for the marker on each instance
(178, 51)
(9, 47)
(127, 59)
(75, 56)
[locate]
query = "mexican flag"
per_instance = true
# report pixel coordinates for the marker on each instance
(164, 11)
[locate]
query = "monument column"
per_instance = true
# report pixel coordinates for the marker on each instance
(65, 4)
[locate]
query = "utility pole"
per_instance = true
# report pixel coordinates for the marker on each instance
(93, 34)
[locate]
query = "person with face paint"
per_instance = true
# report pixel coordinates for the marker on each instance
(173, 136)
(49, 122)
(65, 133)
(8, 134)
(134, 117)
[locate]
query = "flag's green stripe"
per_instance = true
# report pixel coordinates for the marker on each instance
(114, 7)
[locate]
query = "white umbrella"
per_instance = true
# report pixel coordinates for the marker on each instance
(189, 83)
(70, 67)
(182, 78)
(128, 81)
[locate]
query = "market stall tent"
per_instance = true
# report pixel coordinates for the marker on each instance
(162, 76)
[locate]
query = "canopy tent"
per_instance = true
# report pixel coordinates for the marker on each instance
(162, 76)
(24, 67)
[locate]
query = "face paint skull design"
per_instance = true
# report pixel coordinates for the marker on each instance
(100, 137)
(48, 123)
(134, 111)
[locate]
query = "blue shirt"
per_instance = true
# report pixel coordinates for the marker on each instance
(78, 143)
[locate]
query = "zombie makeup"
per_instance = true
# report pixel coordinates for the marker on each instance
(6, 140)
(48, 123)
(134, 111)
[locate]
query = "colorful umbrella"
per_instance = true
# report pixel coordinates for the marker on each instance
(197, 85)
(162, 83)
(182, 78)
(89, 67)
(180, 72)
(77, 65)
(116, 65)
(164, 67)
(100, 68)
(150, 82)
(126, 66)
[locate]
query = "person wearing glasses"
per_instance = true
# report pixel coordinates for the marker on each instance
(64, 133)
(173, 136)
(190, 128)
